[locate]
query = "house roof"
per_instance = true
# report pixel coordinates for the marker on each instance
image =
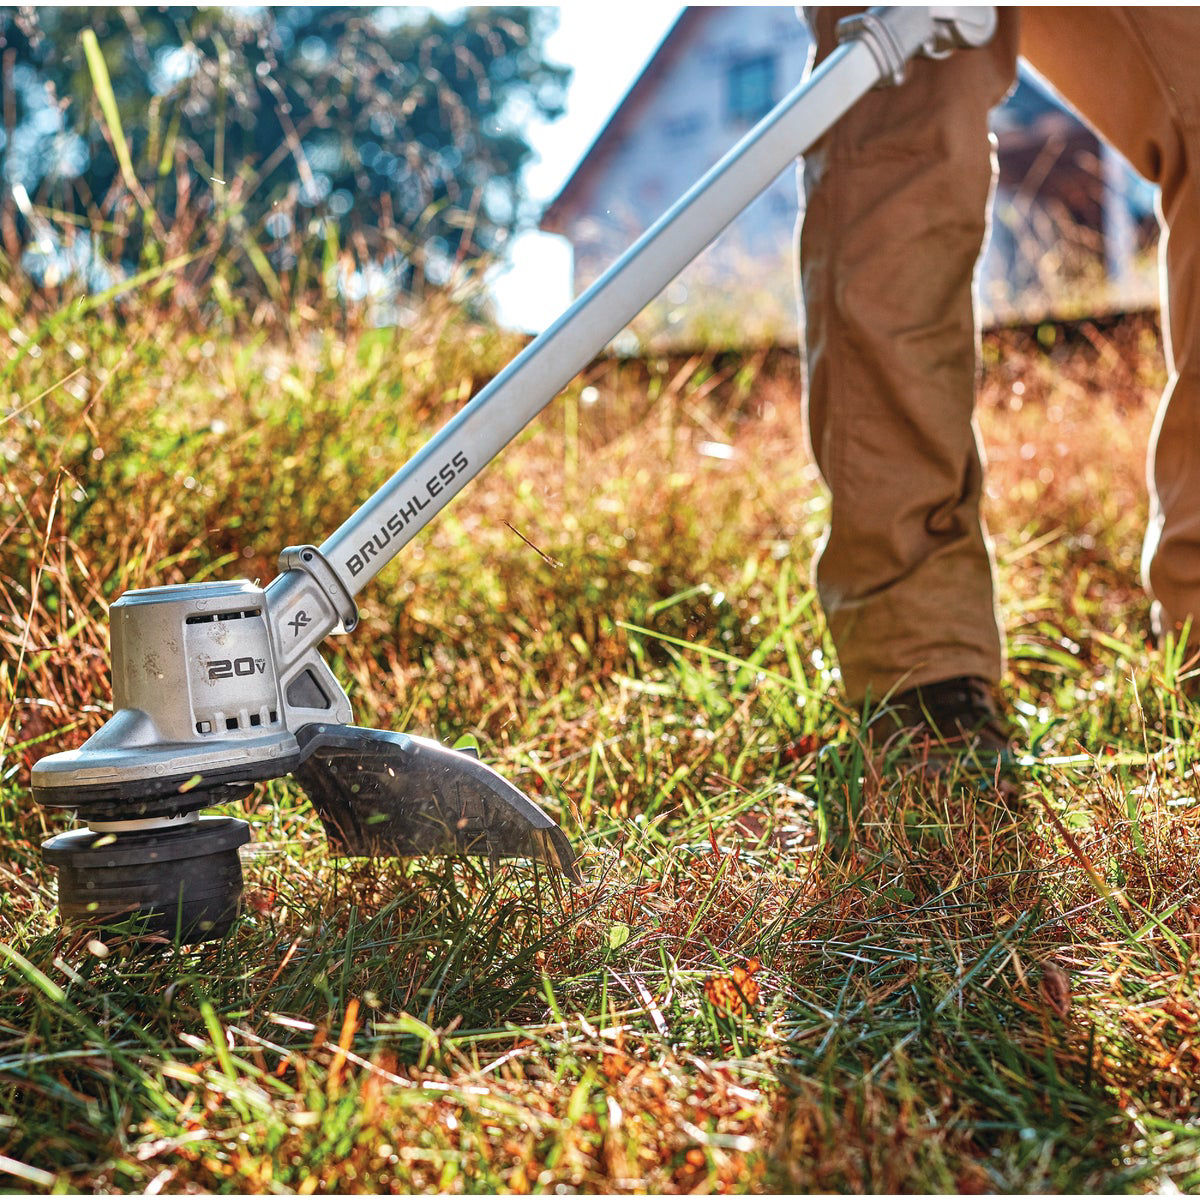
(593, 158)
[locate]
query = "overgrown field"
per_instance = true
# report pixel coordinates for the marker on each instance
(784, 971)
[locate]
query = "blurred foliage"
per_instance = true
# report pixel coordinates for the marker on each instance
(361, 149)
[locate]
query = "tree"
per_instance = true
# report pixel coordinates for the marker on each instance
(394, 130)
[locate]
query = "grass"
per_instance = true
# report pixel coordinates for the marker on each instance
(785, 970)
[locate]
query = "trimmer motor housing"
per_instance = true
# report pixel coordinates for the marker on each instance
(199, 705)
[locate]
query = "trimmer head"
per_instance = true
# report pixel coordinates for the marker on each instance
(217, 686)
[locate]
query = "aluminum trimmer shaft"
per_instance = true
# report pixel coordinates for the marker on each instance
(217, 686)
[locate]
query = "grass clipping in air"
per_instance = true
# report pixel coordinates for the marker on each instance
(785, 970)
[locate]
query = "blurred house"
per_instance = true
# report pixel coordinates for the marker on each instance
(1071, 221)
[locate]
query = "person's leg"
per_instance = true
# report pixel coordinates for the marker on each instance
(1132, 73)
(896, 212)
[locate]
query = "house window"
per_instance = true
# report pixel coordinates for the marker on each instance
(751, 88)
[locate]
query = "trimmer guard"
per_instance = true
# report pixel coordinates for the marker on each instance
(384, 795)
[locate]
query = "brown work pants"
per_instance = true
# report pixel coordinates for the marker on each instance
(897, 200)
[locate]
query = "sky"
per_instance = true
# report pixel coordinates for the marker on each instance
(606, 45)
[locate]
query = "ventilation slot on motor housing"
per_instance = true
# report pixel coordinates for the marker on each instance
(255, 721)
(205, 618)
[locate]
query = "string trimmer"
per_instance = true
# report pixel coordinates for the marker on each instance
(218, 686)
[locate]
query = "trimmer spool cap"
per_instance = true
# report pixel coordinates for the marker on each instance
(183, 882)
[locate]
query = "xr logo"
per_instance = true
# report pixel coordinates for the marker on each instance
(299, 621)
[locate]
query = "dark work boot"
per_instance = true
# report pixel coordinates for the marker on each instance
(946, 725)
